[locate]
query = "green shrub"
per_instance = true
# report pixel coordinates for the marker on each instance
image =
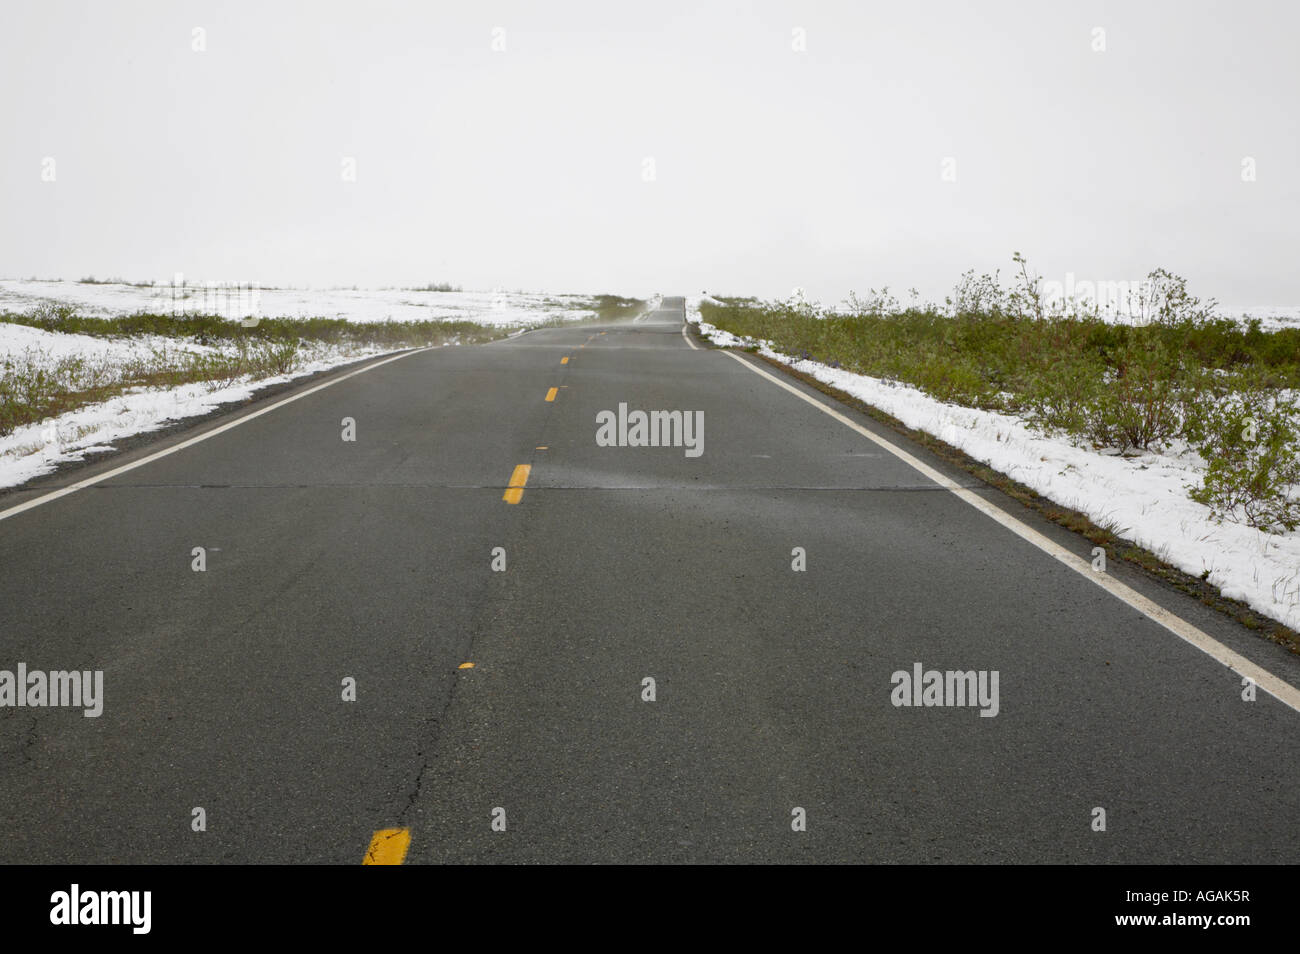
(1250, 441)
(1139, 405)
(1062, 394)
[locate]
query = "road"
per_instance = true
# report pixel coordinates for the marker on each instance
(372, 560)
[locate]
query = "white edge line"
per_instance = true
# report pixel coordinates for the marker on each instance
(694, 346)
(1281, 690)
(90, 481)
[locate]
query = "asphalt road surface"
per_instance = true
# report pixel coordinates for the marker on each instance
(773, 700)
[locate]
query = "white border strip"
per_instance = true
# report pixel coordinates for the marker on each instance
(90, 481)
(1281, 690)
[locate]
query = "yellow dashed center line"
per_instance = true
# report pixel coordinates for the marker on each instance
(388, 847)
(518, 480)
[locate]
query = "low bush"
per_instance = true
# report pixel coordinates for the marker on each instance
(1249, 437)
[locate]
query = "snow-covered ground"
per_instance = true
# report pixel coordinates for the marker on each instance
(1143, 498)
(38, 449)
(16, 340)
(1271, 317)
(488, 308)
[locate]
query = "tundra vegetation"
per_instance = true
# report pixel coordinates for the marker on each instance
(35, 386)
(1166, 373)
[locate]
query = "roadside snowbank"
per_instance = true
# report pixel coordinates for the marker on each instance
(37, 449)
(16, 340)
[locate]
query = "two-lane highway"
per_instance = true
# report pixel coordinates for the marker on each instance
(675, 656)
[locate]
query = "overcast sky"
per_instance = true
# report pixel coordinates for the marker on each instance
(652, 146)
